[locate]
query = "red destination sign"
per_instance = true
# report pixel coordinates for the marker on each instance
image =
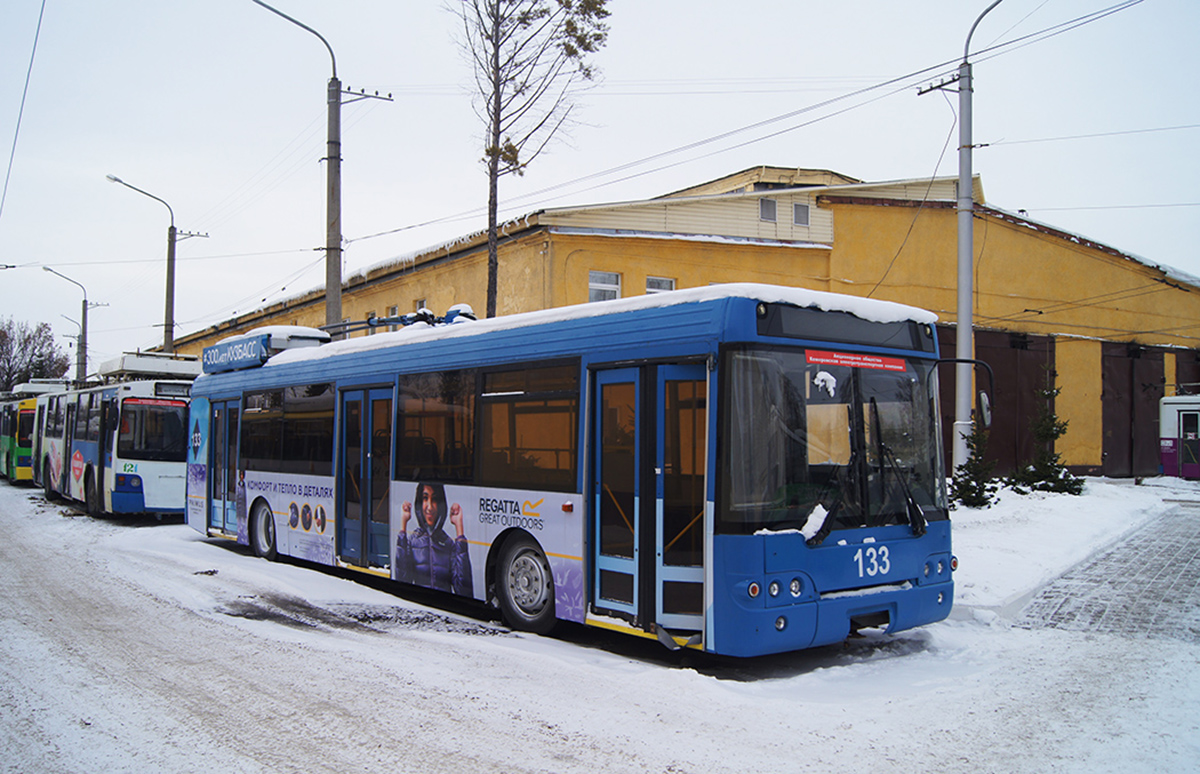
(852, 360)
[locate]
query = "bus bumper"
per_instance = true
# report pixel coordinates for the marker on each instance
(772, 601)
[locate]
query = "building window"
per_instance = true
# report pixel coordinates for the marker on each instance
(800, 214)
(766, 210)
(372, 329)
(392, 312)
(603, 285)
(659, 285)
(418, 305)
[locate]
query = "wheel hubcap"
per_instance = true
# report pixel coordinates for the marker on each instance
(527, 584)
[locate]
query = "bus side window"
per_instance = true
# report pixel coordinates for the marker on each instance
(79, 431)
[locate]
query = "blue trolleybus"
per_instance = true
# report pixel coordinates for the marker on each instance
(743, 469)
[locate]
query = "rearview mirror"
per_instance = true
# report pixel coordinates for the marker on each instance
(985, 410)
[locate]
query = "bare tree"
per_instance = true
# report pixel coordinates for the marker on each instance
(527, 55)
(29, 352)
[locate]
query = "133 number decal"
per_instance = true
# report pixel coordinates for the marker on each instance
(873, 561)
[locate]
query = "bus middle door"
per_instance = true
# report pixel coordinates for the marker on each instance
(365, 451)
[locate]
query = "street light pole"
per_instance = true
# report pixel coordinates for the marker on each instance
(333, 183)
(964, 348)
(168, 345)
(81, 353)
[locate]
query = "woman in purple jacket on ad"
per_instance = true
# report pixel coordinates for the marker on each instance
(427, 556)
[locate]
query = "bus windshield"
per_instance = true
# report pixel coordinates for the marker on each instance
(153, 429)
(24, 428)
(848, 439)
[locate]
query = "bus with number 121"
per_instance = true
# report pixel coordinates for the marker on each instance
(120, 446)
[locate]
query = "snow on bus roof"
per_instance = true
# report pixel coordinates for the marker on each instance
(865, 308)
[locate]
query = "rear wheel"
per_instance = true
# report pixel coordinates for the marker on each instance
(262, 531)
(525, 586)
(48, 483)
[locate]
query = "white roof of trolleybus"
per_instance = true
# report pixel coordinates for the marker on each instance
(864, 308)
(147, 365)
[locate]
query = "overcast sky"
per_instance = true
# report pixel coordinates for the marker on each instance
(218, 107)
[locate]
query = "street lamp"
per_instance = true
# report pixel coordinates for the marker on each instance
(168, 345)
(964, 346)
(81, 353)
(333, 177)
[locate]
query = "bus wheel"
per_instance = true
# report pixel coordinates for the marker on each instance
(525, 586)
(48, 483)
(262, 531)
(92, 497)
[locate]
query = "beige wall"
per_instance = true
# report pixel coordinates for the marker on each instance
(691, 263)
(1025, 280)
(1077, 362)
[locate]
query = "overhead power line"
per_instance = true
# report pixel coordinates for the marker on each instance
(1091, 136)
(895, 85)
(21, 112)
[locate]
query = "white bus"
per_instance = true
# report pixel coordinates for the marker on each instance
(119, 447)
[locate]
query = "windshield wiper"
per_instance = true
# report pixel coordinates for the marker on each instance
(916, 517)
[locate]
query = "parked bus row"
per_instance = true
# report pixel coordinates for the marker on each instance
(741, 469)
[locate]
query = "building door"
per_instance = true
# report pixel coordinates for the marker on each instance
(649, 495)
(366, 454)
(223, 431)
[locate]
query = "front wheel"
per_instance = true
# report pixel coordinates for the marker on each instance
(262, 531)
(91, 497)
(525, 587)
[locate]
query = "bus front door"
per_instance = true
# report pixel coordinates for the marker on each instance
(223, 514)
(366, 455)
(1189, 444)
(649, 496)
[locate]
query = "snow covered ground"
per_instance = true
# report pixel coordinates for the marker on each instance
(135, 646)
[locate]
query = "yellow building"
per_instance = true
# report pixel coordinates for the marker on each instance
(1116, 332)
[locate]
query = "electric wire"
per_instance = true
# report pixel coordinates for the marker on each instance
(925, 197)
(21, 111)
(945, 68)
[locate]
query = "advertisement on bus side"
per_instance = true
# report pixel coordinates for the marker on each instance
(197, 465)
(303, 507)
(441, 535)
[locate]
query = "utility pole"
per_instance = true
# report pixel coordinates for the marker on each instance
(81, 349)
(333, 177)
(964, 345)
(168, 345)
